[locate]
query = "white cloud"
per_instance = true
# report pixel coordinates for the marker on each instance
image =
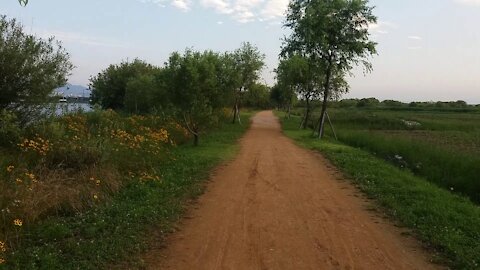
(242, 11)
(469, 2)
(219, 22)
(381, 27)
(183, 5)
(220, 6)
(274, 9)
(160, 3)
(415, 37)
(414, 48)
(77, 38)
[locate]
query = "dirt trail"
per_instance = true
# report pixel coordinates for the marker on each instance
(278, 206)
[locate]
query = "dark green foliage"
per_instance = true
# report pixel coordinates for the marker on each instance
(333, 36)
(142, 94)
(243, 67)
(368, 102)
(30, 69)
(110, 86)
(196, 90)
(257, 96)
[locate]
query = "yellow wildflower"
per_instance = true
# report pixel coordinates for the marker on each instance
(95, 196)
(98, 182)
(18, 222)
(2, 261)
(18, 180)
(10, 168)
(3, 246)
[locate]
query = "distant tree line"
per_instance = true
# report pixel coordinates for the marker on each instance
(375, 103)
(195, 87)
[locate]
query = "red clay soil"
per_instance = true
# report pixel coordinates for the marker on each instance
(278, 206)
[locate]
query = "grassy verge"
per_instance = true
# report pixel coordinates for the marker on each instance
(116, 229)
(448, 223)
(441, 147)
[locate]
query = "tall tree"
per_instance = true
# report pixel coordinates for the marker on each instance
(195, 89)
(30, 69)
(332, 33)
(247, 64)
(301, 76)
(110, 85)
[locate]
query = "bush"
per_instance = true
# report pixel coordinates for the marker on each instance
(9, 129)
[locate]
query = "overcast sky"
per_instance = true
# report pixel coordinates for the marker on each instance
(428, 49)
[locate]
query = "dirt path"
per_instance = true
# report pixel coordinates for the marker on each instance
(277, 206)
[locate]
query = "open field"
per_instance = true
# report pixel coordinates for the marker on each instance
(441, 146)
(446, 222)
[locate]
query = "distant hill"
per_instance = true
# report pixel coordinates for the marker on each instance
(71, 90)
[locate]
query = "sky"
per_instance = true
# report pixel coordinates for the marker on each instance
(428, 50)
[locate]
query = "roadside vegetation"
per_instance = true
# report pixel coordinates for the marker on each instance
(81, 190)
(440, 144)
(446, 222)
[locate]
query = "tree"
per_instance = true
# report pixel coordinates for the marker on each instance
(257, 96)
(30, 69)
(23, 2)
(139, 94)
(195, 89)
(332, 33)
(110, 85)
(296, 74)
(247, 62)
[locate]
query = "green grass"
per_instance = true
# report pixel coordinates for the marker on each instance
(443, 148)
(118, 229)
(448, 223)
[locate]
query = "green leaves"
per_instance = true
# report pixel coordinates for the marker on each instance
(333, 31)
(23, 2)
(31, 68)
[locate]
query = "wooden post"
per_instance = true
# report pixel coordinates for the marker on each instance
(331, 125)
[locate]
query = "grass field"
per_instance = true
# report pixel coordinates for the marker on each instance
(448, 223)
(441, 146)
(142, 188)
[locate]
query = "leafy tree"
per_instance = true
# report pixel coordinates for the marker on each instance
(23, 2)
(257, 96)
(110, 85)
(139, 94)
(30, 69)
(195, 89)
(297, 74)
(368, 102)
(332, 33)
(392, 103)
(247, 62)
(283, 96)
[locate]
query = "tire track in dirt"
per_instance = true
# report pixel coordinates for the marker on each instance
(278, 206)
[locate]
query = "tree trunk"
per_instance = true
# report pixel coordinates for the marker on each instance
(307, 114)
(195, 139)
(321, 129)
(236, 112)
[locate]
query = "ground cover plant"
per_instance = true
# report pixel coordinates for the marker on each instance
(448, 223)
(441, 146)
(85, 188)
